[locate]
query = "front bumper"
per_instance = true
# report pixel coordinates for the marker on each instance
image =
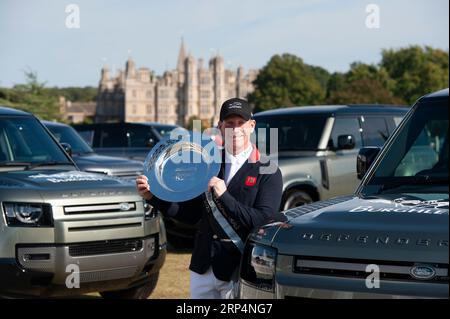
(294, 285)
(290, 291)
(43, 270)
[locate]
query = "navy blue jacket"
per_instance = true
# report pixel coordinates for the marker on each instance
(252, 199)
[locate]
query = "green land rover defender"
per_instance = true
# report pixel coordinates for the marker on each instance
(387, 240)
(67, 232)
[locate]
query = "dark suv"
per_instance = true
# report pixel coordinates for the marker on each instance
(129, 140)
(85, 157)
(318, 145)
(387, 240)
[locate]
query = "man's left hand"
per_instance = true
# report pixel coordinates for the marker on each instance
(218, 185)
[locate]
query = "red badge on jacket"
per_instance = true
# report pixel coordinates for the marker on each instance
(250, 181)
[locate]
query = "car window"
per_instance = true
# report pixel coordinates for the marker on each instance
(345, 126)
(113, 136)
(418, 157)
(392, 122)
(374, 131)
(140, 136)
(22, 139)
(397, 120)
(295, 132)
(164, 130)
(66, 134)
(88, 136)
(429, 148)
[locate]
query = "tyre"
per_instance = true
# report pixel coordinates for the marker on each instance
(141, 292)
(295, 198)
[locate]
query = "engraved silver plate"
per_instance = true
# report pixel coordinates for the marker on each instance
(180, 169)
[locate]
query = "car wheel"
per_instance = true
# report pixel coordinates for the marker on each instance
(295, 198)
(141, 292)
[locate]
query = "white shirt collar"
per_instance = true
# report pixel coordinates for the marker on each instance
(239, 158)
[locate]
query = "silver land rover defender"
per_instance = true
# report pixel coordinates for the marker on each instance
(67, 232)
(388, 240)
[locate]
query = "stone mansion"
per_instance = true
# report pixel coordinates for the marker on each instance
(192, 89)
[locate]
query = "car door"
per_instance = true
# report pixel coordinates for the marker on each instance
(341, 163)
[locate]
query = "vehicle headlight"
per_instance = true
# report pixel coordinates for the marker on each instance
(28, 215)
(149, 211)
(258, 266)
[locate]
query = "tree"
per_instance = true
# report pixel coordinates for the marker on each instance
(416, 70)
(364, 91)
(322, 75)
(76, 94)
(33, 97)
(363, 83)
(287, 81)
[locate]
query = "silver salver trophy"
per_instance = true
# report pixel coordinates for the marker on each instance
(179, 169)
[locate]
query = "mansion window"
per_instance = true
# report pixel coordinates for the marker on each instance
(204, 80)
(163, 94)
(205, 94)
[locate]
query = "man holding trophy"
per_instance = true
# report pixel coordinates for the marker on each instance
(240, 198)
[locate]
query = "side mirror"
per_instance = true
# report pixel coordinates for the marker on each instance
(68, 148)
(346, 142)
(366, 157)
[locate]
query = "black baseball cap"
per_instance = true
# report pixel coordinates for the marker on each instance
(236, 106)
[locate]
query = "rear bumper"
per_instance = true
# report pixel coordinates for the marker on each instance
(43, 270)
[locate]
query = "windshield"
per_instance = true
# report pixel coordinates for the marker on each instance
(23, 141)
(66, 134)
(418, 158)
(295, 133)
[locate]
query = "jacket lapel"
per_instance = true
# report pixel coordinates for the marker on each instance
(236, 181)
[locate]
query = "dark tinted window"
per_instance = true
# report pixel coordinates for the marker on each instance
(374, 131)
(393, 122)
(140, 136)
(88, 136)
(295, 132)
(113, 136)
(345, 126)
(164, 130)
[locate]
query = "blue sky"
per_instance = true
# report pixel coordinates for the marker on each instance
(328, 33)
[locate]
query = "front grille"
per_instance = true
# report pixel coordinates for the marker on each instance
(110, 274)
(105, 247)
(100, 208)
(356, 268)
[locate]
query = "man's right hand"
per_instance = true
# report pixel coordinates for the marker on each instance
(143, 188)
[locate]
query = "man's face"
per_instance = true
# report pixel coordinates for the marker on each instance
(236, 132)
